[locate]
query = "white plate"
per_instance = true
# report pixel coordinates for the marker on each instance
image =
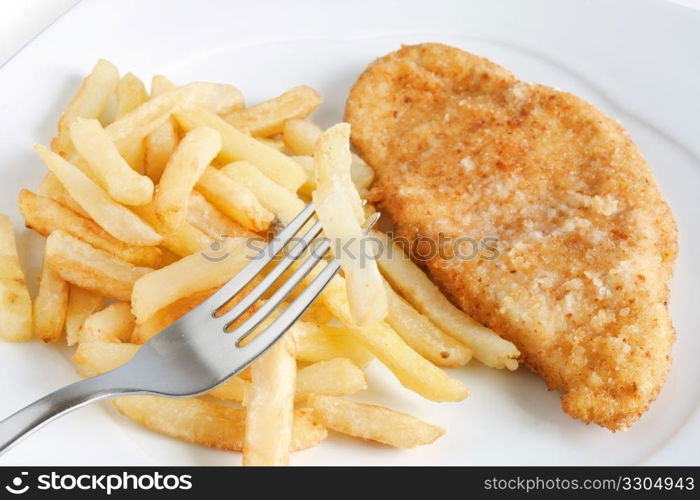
(637, 60)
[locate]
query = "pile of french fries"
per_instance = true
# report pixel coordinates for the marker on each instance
(143, 187)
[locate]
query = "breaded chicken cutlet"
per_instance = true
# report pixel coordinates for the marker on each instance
(586, 243)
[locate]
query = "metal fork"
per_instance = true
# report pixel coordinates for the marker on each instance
(196, 353)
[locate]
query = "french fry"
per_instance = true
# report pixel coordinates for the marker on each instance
(160, 143)
(184, 168)
(417, 288)
(45, 215)
(270, 406)
(332, 159)
(335, 377)
(278, 200)
(15, 303)
(273, 142)
(210, 424)
(410, 368)
(81, 304)
(339, 208)
(185, 241)
(373, 423)
(316, 343)
(189, 275)
(113, 324)
(237, 145)
(110, 170)
(91, 99)
(132, 128)
(112, 217)
(136, 125)
(50, 306)
(300, 136)
(82, 265)
(164, 317)
(167, 257)
(423, 336)
(234, 389)
(211, 221)
(96, 357)
(234, 200)
(219, 98)
(317, 313)
(268, 118)
(52, 188)
(130, 94)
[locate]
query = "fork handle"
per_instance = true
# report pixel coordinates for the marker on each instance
(58, 403)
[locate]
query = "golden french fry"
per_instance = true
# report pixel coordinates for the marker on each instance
(112, 217)
(273, 142)
(210, 424)
(45, 215)
(335, 377)
(185, 166)
(234, 200)
(270, 406)
(145, 330)
(130, 94)
(189, 275)
(278, 200)
(80, 264)
(423, 336)
(316, 343)
(185, 241)
(211, 221)
(374, 423)
(167, 257)
(219, 98)
(237, 145)
(339, 208)
(114, 324)
(110, 170)
(160, 143)
(81, 304)
(94, 357)
(91, 99)
(417, 288)
(51, 187)
(133, 127)
(137, 124)
(234, 389)
(15, 303)
(50, 306)
(332, 159)
(300, 137)
(317, 313)
(411, 369)
(268, 118)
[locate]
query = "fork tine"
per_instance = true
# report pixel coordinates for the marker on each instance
(292, 313)
(253, 268)
(282, 292)
(274, 274)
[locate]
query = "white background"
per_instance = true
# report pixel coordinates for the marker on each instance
(22, 20)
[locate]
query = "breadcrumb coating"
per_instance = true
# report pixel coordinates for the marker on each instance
(586, 242)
